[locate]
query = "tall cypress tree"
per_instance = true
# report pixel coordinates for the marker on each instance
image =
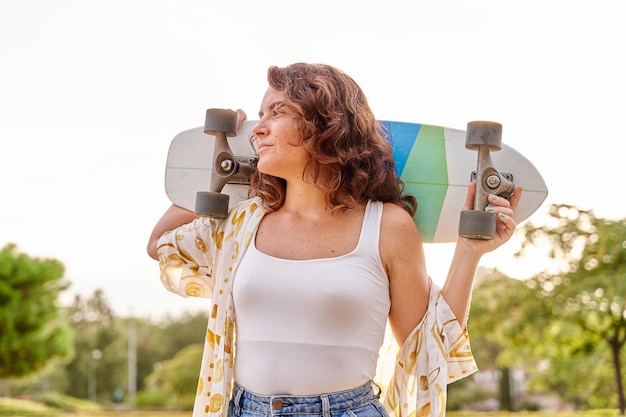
(32, 327)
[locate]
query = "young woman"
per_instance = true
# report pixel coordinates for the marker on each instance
(317, 263)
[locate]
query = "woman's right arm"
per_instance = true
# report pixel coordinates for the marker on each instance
(171, 219)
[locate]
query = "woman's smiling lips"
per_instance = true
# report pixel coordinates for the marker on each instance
(261, 147)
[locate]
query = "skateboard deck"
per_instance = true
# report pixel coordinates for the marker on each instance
(432, 161)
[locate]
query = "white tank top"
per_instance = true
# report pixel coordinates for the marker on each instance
(307, 327)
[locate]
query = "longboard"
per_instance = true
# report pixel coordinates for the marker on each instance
(432, 161)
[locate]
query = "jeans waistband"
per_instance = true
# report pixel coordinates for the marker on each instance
(322, 404)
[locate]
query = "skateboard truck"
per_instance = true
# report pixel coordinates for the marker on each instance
(226, 167)
(484, 137)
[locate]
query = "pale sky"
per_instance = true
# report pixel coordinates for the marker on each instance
(91, 93)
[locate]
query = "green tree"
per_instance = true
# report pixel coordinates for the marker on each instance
(567, 324)
(161, 341)
(186, 329)
(503, 317)
(100, 364)
(32, 329)
(588, 293)
(178, 376)
(512, 323)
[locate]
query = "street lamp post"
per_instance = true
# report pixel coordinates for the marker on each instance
(92, 379)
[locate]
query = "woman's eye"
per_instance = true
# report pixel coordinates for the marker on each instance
(280, 110)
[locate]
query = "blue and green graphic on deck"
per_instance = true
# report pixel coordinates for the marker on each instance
(420, 157)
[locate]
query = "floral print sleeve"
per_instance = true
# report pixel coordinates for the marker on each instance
(186, 255)
(200, 259)
(436, 353)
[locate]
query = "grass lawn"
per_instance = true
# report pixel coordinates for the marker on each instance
(588, 413)
(129, 414)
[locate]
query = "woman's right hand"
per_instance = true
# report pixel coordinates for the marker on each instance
(242, 117)
(176, 216)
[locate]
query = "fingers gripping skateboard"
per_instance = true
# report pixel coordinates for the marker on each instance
(226, 167)
(484, 137)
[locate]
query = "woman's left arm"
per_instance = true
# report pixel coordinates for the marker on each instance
(402, 254)
(458, 286)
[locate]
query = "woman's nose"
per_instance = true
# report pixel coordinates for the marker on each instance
(259, 129)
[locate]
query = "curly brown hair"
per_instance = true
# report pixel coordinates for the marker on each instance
(342, 136)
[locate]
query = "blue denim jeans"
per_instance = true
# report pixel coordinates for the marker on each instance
(362, 401)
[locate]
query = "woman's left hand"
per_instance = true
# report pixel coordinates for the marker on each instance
(505, 225)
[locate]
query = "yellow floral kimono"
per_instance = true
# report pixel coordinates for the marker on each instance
(200, 260)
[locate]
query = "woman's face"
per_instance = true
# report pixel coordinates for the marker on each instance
(279, 142)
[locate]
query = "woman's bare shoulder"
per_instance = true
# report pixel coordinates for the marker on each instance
(396, 217)
(398, 231)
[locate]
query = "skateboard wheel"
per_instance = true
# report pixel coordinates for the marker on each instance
(211, 204)
(221, 120)
(481, 133)
(476, 224)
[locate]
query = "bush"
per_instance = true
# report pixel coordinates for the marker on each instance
(177, 380)
(152, 399)
(463, 397)
(67, 403)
